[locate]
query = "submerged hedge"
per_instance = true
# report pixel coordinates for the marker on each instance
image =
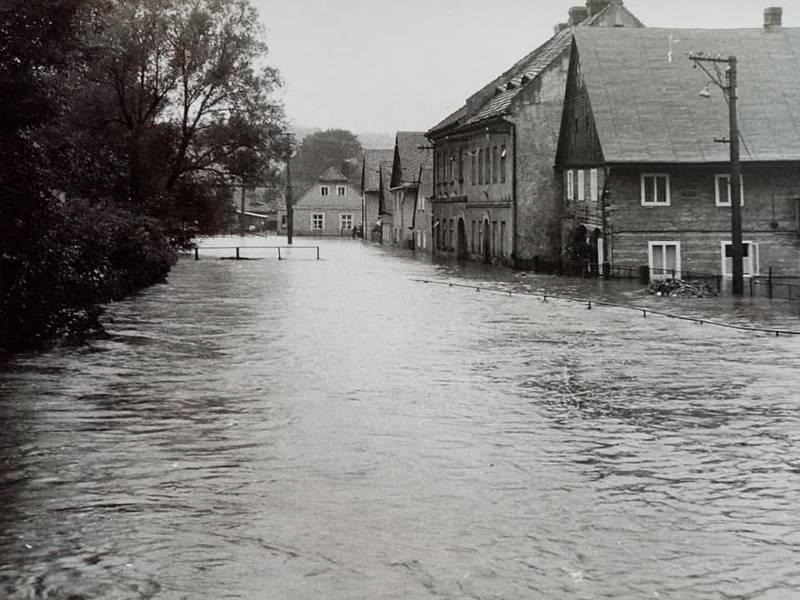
(75, 257)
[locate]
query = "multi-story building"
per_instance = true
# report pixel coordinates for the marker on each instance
(646, 179)
(411, 186)
(496, 195)
(376, 170)
(332, 206)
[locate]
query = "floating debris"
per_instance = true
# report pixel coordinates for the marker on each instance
(680, 288)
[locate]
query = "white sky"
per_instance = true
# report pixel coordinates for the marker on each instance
(388, 65)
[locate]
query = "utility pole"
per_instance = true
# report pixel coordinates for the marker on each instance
(736, 184)
(289, 204)
(241, 213)
(728, 87)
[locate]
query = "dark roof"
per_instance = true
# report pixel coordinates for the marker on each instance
(372, 162)
(411, 151)
(495, 99)
(647, 109)
(332, 174)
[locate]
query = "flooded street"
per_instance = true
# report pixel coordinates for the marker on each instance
(335, 429)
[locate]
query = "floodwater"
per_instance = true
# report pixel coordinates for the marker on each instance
(335, 429)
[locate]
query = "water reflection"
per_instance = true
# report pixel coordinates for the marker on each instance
(334, 429)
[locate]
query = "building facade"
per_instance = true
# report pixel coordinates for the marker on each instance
(646, 184)
(496, 197)
(330, 207)
(411, 186)
(376, 169)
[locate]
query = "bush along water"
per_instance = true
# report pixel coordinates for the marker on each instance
(76, 257)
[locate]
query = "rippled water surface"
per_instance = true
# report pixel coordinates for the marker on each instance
(334, 429)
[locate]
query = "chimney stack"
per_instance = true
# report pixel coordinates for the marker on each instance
(578, 14)
(595, 6)
(773, 18)
(559, 27)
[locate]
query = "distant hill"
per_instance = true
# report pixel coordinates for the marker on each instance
(369, 140)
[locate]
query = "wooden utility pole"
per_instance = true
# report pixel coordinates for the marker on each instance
(241, 213)
(736, 184)
(728, 87)
(289, 205)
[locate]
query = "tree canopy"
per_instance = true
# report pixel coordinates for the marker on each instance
(324, 149)
(124, 122)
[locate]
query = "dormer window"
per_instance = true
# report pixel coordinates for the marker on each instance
(341, 190)
(324, 190)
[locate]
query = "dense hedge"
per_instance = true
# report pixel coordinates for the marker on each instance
(76, 257)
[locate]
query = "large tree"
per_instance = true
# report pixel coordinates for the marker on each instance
(324, 149)
(181, 89)
(120, 120)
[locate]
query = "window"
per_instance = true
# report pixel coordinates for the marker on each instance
(570, 185)
(593, 185)
(346, 221)
(424, 240)
(665, 260)
(324, 190)
(283, 220)
(581, 186)
(495, 164)
(472, 167)
(341, 190)
(722, 190)
(503, 164)
(487, 175)
(421, 205)
(480, 166)
(502, 237)
(749, 259)
(494, 238)
(317, 221)
(460, 165)
(655, 189)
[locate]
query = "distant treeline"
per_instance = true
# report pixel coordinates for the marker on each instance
(124, 124)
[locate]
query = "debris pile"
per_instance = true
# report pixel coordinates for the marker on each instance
(680, 288)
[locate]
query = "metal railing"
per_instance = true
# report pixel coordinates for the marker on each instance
(239, 248)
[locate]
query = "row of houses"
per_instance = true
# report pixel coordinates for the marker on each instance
(603, 145)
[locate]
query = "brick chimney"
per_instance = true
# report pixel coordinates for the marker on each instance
(578, 14)
(773, 18)
(559, 27)
(595, 6)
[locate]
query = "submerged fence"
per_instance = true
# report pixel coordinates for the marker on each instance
(240, 250)
(592, 303)
(764, 286)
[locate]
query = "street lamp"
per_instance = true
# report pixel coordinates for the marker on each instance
(728, 88)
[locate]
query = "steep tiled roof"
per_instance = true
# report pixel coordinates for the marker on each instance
(495, 99)
(332, 174)
(372, 162)
(411, 152)
(648, 108)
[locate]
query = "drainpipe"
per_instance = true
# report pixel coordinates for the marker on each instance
(433, 212)
(603, 200)
(514, 195)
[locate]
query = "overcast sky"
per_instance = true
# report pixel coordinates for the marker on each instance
(388, 65)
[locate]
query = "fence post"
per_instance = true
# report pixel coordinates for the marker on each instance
(237, 252)
(196, 253)
(317, 252)
(770, 282)
(279, 252)
(751, 287)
